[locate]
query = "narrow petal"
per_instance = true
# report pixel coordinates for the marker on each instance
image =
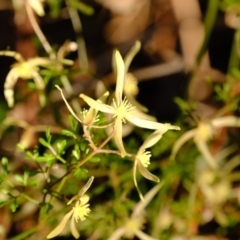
(143, 236)
(138, 105)
(97, 105)
(73, 228)
(117, 234)
(151, 140)
(203, 148)
(145, 173)
(228, 121)
(120, 75)
(140, 114)
(138, 209)
(68, 106)
(86, 186)
(150, 124)
(131, 54)
(182, 140)
(135, 181)
(37, 7)
(82, 190)
(118, 137)
(61, 226)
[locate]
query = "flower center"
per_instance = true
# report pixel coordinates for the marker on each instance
(204, 131)
(122, 109)
(130, 85)
(132, 225)
(144, 158)
(80, 211)
(24, 70)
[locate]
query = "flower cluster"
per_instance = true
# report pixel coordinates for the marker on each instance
(79, 212)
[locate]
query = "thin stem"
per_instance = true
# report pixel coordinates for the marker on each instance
(77, 26)
(67, 86)
(29, 198)
(39, 32)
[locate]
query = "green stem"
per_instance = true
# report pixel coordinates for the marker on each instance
(29, 198)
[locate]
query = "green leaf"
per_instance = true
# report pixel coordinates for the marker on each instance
(2, 203)
(48, 135)
(34, 182)
(61, 145)
(73, 123)
(5, 164)
(14, 205)
(68, 133)
(25, 234)
(76, 152)
(81, 173)
(82, 7)
(45, 209)
(83, 145)
(94, 159)
(19, 178)
(43, 142)
(47, 157)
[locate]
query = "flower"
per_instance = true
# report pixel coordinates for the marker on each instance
(86, 117)
(134, 224)
(203, 133)
(79, 212)
(27, 69)
(142, 158)
(122, 110)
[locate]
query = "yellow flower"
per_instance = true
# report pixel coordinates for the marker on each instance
(79, 212)
(203, 133)
(122, 110)
(134, 224)
(86, 117)
(142, 159)
(27, 69)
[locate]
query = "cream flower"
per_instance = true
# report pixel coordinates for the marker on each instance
(86, 117)
(27, 69)
(121, 109)
(134, 224)
(142, 159)
(79, 212)
(203, 133)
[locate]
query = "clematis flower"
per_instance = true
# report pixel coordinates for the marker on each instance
(79, 212)
(86, 117)
(134, 224)
(203, 133)
(26, 69)
(142, 158)
(122, 110)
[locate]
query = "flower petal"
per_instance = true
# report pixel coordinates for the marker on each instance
(120, 75)
(183, 139)
(143, 123)
(145, 173)
(73, 228)
(131, 54)
(151, 140)
(60, 226)
(138, 209)
(117, 234)
(97, 105)
(68, 106)
(135, 180)
(203, 148)
(227, 121)
(143, 236)
(118, 136)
